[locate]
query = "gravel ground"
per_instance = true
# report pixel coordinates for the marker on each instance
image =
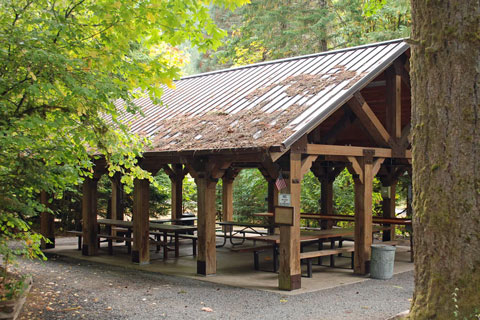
(65, 288)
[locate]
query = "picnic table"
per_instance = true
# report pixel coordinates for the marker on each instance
(245, 227)
(180, 220)
(338, 217)
(164, 229)
(307, 236)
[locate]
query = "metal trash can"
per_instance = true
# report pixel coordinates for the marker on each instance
(187, 222)
(383, 259)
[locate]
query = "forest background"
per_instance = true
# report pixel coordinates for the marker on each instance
(266, 30)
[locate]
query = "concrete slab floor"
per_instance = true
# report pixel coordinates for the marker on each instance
(233, 268)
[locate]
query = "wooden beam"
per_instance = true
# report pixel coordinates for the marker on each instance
(227, 198)
(393, 103)
(307, 164)
(176, 180)
(349, 151)
(369, 120)
(326, 200)
(89, 217)
(168, 170)
(363, 217)
(117, 197)
(47, 223)
(376, 165)
(140, 216)
(207, 256)
(289, 277)
(388, 208)
(270, 167)
(356, 168)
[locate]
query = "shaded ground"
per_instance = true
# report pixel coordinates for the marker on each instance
(65, 288)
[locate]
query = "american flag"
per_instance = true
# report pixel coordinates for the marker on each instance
(280, 183)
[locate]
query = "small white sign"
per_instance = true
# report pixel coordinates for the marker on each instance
(284, 199)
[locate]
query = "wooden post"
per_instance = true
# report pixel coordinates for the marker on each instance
(272, 199)
(47, 224)
(326, 200)
(117, 197)
(89, 217)
(388, 207)
(207, 255)
(394, 102)
(177, 191)
(227, 198)
(289, 277)
(363, 214)
(141, 197)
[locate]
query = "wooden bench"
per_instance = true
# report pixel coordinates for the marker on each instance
(192, 237)
(79, 234)
(110, 238)
(256, 250)
(309, 255)
(128, 241)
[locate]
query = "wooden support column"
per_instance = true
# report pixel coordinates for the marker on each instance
(289, 277)
(326, 200)
(89, 217)
(388, 208)
(177, 191)
(207, 255)
(272, 199)
(394, 102)
(141, 197)
(117, 197)
(227, 198)
(47, 224)
(363, 214)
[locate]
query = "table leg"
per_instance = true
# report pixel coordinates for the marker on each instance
(320, 247)
(332, 257)
(165, 247)
(224, 239)
(177, 250)
(129, 243)
(275, 258)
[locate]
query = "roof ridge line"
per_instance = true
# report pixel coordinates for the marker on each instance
(311, 55)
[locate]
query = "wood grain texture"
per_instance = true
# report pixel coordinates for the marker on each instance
(141, 198)
(89, 217)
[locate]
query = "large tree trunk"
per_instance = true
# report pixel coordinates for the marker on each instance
(445, 74)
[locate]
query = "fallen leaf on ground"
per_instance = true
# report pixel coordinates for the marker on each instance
(49, 308)
(72, 309)
(207, 309)
(283, 300)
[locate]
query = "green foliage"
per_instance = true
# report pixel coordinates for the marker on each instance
(271, 29)
(249, 194)
(16, 240)
(62, 65)
(311, 191)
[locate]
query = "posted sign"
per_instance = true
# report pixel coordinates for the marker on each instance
(284, 199)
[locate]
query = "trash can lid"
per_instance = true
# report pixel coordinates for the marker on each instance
(383, 247)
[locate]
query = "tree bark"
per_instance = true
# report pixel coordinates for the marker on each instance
(445, 75)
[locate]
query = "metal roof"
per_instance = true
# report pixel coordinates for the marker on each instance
(261, 105)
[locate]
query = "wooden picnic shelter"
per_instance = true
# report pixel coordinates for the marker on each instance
(324, 112)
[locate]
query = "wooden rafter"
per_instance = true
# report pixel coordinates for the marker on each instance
(369, 120)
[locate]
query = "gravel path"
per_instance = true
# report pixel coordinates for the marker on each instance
(69, 289)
